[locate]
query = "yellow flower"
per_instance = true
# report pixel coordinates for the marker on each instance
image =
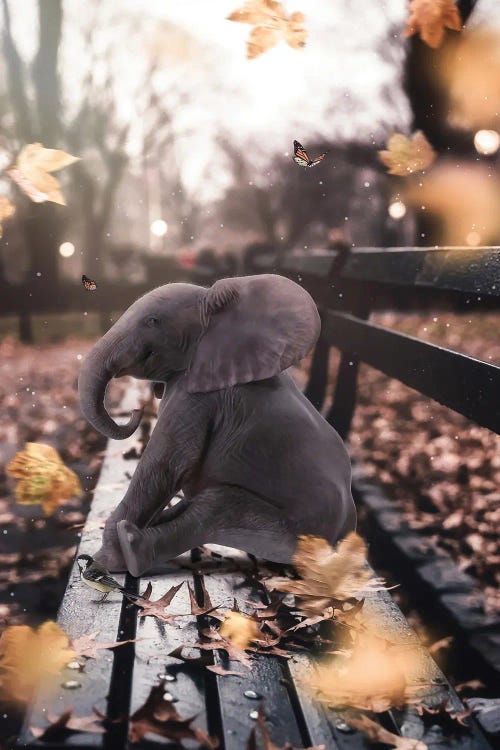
(44, 479)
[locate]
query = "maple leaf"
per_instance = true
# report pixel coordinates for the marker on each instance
(328, 575)
(430, 18)
(156, 608)
(159, 716)
(44, 479)
(7, 209)
(30, 657)
(271, 24)
(60, 726)
(376, 733)
(32, 172)
(404, 156)
(239, 629)
(87, 646)
(268, 744)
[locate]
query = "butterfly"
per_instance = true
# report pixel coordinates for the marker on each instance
(301, 157)
(89, 285)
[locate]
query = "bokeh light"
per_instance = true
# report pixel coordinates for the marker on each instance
(397, 209)
(66, 249)
(159, 228)
(486, 142)
(473, 239)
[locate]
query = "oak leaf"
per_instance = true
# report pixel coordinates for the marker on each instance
(328, 576)
(32, 172)
(404, 156)
(44, 479)
(214, 641)
(7, 210)
(377, 734)
(87, 646)
(60, 726)
(31, 657)
(159, 716)
(271, 24)
(430, 18)
(158, 607)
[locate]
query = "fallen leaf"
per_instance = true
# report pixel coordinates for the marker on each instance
(271, 24)
(268, 744)
(441, 644)
(7, 210)
(87, 646)
(156, 608)
(328, 575)
(430, 18)
(31, 657)
(60, 726)
(240, 629)
(32, 172)
(376, 733)
(44, 479)
(219, 669)
(405, 156)
(159, 716)
(207, 607)
(216, 642)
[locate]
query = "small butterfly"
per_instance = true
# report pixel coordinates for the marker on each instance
(89, 285)
(301, 157)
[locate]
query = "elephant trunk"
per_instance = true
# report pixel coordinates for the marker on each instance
(99, 366)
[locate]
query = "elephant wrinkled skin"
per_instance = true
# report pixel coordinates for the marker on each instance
(257, 464)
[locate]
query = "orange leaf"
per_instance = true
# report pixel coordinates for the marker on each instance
(430, 18)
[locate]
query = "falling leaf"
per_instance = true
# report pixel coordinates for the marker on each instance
(44, 479)
(60, 726)
(404, 156)
(156, 608)
(271, 24)
(159, 716)
(464, 198)
(376, 733)
(268, 744)
(328, 575)
(430, 18)
(32, 172)
(31, 657)
(239, 629)
(87, 646)
(7, 209)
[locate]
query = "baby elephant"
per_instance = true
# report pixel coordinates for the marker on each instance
(257, 464)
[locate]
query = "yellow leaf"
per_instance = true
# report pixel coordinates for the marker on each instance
(7, 209)
(271, 23)
(328, 575)
(404, 156)
(44, 479)
(29, 658)
(239, 629)
(430, 18)
(32, 172)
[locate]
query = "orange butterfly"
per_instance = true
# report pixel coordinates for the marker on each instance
(301, 157)
(89, 285)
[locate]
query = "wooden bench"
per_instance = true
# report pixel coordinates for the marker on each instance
(119, 681)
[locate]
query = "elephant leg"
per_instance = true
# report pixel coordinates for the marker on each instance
(225, 515)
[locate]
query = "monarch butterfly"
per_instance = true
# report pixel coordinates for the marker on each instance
(301, 157)
(89, 285)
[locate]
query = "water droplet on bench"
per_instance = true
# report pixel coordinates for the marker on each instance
(166, 676)
(252, 695)
(342, 726)
(71, 684)
(74, 665)
(254, 715)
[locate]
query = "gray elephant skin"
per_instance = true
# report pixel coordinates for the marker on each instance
(256, 462)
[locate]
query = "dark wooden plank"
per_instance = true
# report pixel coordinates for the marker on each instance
(318, 375)
(464, 384)
(80, 614)
(267, 677)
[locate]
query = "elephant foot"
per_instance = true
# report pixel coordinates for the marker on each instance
(136, 548)
(111, 556)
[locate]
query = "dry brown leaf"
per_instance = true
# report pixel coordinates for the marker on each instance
(32, 172)
(240, 629)
(59, 726)
(219, 669)
(271, 24)
(87, 646)
(7, 210)
(156, 608)
(216, 642)
(159, 716)
(430, 18)
(377, 733)
(441, 644)
(44, 479)
(268, 744)
(29, 658)
(327, 575)
(405, 156)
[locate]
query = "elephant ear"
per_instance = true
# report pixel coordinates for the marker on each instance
(253, 328)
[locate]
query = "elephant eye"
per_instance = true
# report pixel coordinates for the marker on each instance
(152, 322)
